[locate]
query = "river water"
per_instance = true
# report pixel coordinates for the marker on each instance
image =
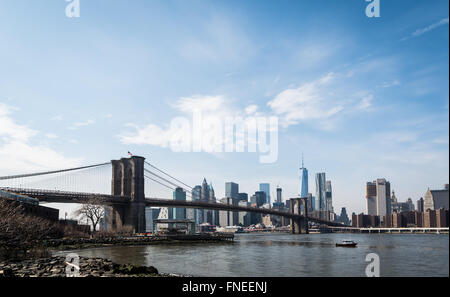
(284, 255)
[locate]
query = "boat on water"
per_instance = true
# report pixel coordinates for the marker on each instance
(347, 243)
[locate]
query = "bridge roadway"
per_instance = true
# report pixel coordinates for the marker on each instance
(49, 196)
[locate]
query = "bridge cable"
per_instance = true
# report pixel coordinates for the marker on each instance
(50, 172)
(168, 175)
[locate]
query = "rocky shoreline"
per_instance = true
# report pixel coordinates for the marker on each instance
(89, 267)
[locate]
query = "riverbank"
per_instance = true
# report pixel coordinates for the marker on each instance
(89, 267)
(85, 243)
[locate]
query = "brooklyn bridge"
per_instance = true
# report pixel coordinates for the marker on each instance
(127, 198)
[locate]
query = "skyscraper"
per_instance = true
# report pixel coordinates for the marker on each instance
(180, 195)
(303, 181)
(266, 189)
(320, 191)
(329, 196)
(231, 190)
(279, 194)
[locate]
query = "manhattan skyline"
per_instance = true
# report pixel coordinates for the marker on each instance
(362, 98)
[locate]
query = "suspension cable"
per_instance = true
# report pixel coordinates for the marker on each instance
(189, 187)
(50, 172)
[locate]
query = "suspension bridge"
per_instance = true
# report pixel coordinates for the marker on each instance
(128, 192)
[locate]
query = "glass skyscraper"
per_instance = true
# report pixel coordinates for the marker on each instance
(179, 213)
(231, 190)
(303, 181)
(266, 189)
(320, 191)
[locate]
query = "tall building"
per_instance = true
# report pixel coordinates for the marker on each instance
(436, 199)
(321, 192)
(303, 181)
(343, 218)
(180, 195)
(259, 199)
(228, 218)
(150, 215)
(198, 213)
(231, 190)
(279, 195)
(420, 205)
(266, 189)
(329, 197)
(371, 198)
(378, 196)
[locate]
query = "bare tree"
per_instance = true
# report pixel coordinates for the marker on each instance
(20, 232)
(93, 211)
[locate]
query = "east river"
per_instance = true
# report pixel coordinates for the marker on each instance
(283, 255)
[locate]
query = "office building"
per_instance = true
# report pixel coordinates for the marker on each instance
(420, 205)
(378, 197)
(436, 199)
(180, 195)
(320, 192)
(150, 215)
(329, 197)
(258, 199)
(243, 197)
(266, 189)
(303, 181)
(232, 190)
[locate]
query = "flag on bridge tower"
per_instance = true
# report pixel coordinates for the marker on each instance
(131, 155)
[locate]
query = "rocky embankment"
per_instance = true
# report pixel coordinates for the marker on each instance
(89, 267)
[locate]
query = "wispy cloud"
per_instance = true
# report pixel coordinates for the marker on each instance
(19, 153)
(78, 125)
(426, 29)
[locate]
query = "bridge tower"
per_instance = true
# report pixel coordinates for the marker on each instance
(299, 226)
(128, 180)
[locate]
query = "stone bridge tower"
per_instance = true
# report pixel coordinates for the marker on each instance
(128, 180)
(299, 226)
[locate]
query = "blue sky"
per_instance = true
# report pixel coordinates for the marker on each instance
(362, 98)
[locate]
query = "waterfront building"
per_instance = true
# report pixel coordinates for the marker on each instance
(442, 218)
(378, 197)
(429, 219)
(266, 189)
(436, 199)
(180, 195)
(303, 181)
(320, 192)
(150, 215)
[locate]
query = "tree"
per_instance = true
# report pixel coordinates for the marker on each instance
(93, 211)
(22, 232)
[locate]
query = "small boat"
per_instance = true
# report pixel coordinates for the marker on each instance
(347, 243)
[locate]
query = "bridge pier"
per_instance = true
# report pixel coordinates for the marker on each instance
(128, 180)
(300, 225)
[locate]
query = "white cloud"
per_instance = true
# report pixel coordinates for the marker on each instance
(366, 102)
(18, 153)
(251, 109)
(424, 30)
(307, 102)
